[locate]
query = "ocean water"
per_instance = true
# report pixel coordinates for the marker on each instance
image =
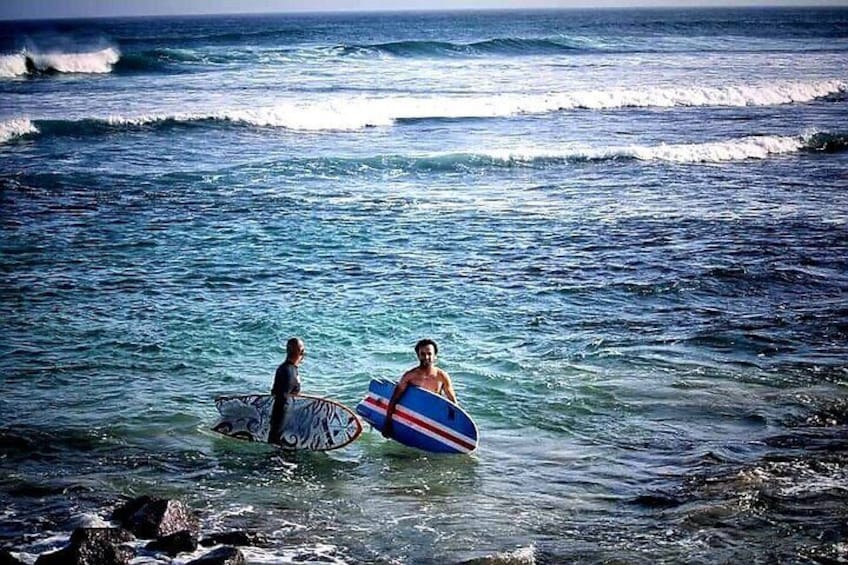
(625, 229)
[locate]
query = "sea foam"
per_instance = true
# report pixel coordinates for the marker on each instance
(13, 65)
(96, 62)
(739, 149)
(10, 129)
(350, 114)
(358, 113)
(731, 95)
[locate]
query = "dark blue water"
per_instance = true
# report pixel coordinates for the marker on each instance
(625, 229)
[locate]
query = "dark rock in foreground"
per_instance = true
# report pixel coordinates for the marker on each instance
(92, 546)
(123, 512)
(171, 525)
(174, 543)
(7, 559)
(221, 556)
(150, 518)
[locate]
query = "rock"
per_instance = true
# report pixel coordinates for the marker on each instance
(10, 439)
(156, 517)
(7, 559)
(175, 543)
(222, 556)
(92, 546)
(235, 538)
(123, 512)
(657, 501)
(83, 536)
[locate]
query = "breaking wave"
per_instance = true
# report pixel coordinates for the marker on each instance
(740, 149)
(354, 114)
(736, 149)
(351, 114)
(28, 62)
(11, 129)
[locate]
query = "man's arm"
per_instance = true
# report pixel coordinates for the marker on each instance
(447, 387)
(390, 409)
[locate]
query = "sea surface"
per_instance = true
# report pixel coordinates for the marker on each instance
(627, 230)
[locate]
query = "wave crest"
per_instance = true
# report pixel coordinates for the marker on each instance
(496, 46)
(18, 127)
(29, 62)
(326, 117)
(740, 149)
(752, 147)
(13, 65)
(355, 114)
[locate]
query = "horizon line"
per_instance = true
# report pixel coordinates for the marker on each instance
(703, 5)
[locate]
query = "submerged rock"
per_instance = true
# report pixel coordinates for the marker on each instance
(10, 440)
(235, 538)
(222, 556)
(175, 543)
(123, 512)
(6, 558)
(92, 546)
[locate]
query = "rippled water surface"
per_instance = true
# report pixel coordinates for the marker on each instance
(625, 229)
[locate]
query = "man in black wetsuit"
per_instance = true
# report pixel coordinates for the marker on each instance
(286, 385)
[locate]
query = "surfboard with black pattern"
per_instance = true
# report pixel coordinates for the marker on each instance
(311, 423)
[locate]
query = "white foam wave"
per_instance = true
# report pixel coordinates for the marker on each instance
(330, 116)
(99, 62)
(657, 97)
(12, 65)
(353, 114)
(93, 62)
(303, 117)
(753, 147)
(733, 95)
(14, 128)
(87, 520)
(318, 553)
(350, 114)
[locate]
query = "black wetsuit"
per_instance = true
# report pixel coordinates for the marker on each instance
(286, 383)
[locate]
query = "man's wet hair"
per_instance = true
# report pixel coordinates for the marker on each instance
(425, 343)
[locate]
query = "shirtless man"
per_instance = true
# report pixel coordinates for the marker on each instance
(426, 375)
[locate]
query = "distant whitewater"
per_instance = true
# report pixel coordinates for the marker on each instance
(346, 113)
(31, 62)
(10, 129)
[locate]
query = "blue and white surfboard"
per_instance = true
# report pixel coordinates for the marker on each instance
(421, 419)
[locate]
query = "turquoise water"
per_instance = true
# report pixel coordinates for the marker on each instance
(625, 229)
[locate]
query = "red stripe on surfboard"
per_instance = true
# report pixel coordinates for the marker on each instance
(382, 404)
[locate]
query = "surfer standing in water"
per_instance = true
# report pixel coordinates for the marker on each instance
(286, 385)
(426, 375)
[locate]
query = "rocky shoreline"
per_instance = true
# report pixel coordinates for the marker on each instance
(169, 525)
